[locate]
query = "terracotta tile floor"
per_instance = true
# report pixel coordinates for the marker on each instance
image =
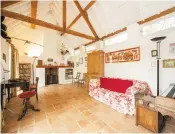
(67, 109)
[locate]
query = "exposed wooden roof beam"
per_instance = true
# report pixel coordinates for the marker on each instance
(107, 36)
(85, 16)
(64, 15)
(24, 18)
(156, 16)
(114, 33)
(79, 15)
(34, 5)
(90, 43)
(76, 48)
(8, 3)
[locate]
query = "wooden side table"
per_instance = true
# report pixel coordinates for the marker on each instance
(148, 117)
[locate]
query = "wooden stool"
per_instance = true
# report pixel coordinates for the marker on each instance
(26, 102)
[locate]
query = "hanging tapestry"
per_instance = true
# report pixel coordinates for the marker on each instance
(126, 55)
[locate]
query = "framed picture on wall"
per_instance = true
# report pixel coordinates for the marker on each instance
(169, 63)
(81, 61)
(172, 48)
(50, 60)
(4, 57)
(154, 53)
(85, 58)
(125, 55)
(77, 64)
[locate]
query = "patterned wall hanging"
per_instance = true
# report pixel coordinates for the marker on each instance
(126, 55)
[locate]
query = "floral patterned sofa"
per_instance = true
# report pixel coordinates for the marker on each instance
(118, 93)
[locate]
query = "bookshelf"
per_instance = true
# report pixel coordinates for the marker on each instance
(68, 74)
(25, 71)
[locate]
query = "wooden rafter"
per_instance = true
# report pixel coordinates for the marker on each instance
(8, 3)
(24, 18)
(86, 18)
(151, 18)
(156, 16)
(64, 15)
(114, 33)
(79, 15)
(90, 43)
(34, 5)
(76, 48)
(107, 36)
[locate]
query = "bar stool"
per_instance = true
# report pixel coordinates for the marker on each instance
(26, 102)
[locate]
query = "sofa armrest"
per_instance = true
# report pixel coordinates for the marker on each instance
(137, 90)
(93, 84)
(140, 87)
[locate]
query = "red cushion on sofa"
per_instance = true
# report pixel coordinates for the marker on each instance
(114, 84)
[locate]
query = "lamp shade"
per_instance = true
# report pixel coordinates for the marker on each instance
(158, 38)
(35, 51)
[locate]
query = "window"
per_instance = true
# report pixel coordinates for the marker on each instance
(117, 39)
(159, 25)
(90, 48)
(77, 51)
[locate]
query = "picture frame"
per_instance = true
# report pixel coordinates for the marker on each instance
(77, 64)
(169, 63)
(4, 57)
(50, 59)
(85, 58)
(172, 48)
(154, 53)
(81, 61)
(125, 55)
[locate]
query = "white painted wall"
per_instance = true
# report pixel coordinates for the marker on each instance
(5, 50)
(81, 67)
(40, 72)
(141, 70)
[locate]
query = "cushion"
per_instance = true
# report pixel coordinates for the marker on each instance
(114, 84)
(27, 94)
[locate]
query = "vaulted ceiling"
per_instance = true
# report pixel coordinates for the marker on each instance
(83, 21)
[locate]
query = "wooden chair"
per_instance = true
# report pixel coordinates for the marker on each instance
(35, 87)
(82, 81)
(76, 78)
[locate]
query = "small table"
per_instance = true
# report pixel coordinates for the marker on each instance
(148, 116)
(11, 84)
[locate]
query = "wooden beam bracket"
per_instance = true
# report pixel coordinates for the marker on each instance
(79, 15)
(34, 5)
(64, 15)
(85, 16)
